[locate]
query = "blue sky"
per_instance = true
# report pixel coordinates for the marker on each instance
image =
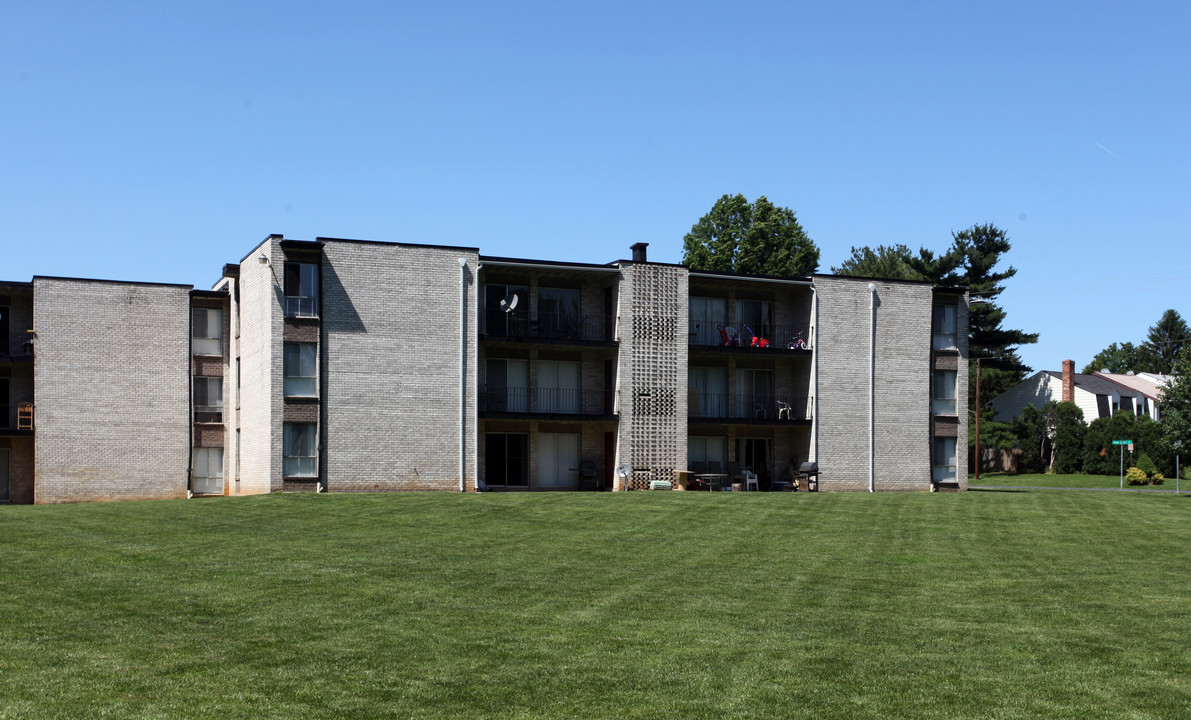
(157, 141)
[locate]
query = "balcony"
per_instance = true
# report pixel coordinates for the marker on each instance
(17, 346)
(551, 402)
(549, 328)
(747, 408)
(24, 419)
(739, 338)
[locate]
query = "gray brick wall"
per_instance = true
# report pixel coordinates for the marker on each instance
(390, 392)
(901, 381)
(112, 390)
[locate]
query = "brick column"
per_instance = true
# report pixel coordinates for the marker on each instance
(1068, 381)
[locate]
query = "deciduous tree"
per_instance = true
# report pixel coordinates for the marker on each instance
(1115, 358)
(757, 238)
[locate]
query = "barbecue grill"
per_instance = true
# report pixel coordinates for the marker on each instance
(808, 476)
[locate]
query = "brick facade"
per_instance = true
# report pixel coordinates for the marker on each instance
(399, 406)
(900, 384)
(112, 390)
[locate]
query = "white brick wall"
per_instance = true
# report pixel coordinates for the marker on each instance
(260, 321)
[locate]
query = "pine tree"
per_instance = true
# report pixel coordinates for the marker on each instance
(1166, 338)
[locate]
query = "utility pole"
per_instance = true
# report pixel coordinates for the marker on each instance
(978, 361)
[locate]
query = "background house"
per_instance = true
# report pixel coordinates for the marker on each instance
(1097, 395)
(1149, 385)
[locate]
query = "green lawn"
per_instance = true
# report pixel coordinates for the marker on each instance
(628, 605)
(1072, 481)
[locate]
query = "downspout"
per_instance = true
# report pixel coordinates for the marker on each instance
(462, 374)
(872, 389)
(189, 398)
(814, 339)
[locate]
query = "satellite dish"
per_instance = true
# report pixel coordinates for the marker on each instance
(509, 303)
(623, 471)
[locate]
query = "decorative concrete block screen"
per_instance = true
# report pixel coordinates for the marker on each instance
(655, 431)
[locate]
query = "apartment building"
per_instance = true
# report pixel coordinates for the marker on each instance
(345, 365)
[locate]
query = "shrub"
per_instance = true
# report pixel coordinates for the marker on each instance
(1157, 478)
(1135, 476)
(1146, 465)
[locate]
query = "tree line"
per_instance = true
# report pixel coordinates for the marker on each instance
(1156, 355)
(760, 238)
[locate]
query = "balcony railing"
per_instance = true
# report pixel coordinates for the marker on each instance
(298, 306)
(768, 336)
(16, 344)
(551, 327)
(553, 401)
(208, 414)
(749, 407)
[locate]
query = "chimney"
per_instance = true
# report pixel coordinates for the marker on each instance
(1068, 381)
(639, 251)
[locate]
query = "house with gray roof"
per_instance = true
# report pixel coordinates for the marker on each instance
(1098, 395)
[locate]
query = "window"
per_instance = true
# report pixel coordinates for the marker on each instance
(707, 316)
(754, 394)
(558, 387)
(5, 408)
(506, 459)
(558, 460)
(300, 369)
(706, 450)
(507, 388)
(944, 330)
(208, 399)
(708, 392)
(944, 460)
(301, 450)
(208, 462)
(558, 312)
(206, 331)
(4, 330)
(754, 454)
(207, 476)
(756, 315)
(5, 474)
(499, 323)
(944, 392)
(301, 289)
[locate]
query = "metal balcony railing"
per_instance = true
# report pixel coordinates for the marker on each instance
(768, 336)
(17, 344)
(552, 327)
(208, 413)
(298, 306)
(553, 401)
(749, 406)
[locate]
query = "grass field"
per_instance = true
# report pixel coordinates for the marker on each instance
(629, 605)
(1073, 481)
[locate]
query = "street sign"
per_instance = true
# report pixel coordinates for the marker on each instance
(1122, 442)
